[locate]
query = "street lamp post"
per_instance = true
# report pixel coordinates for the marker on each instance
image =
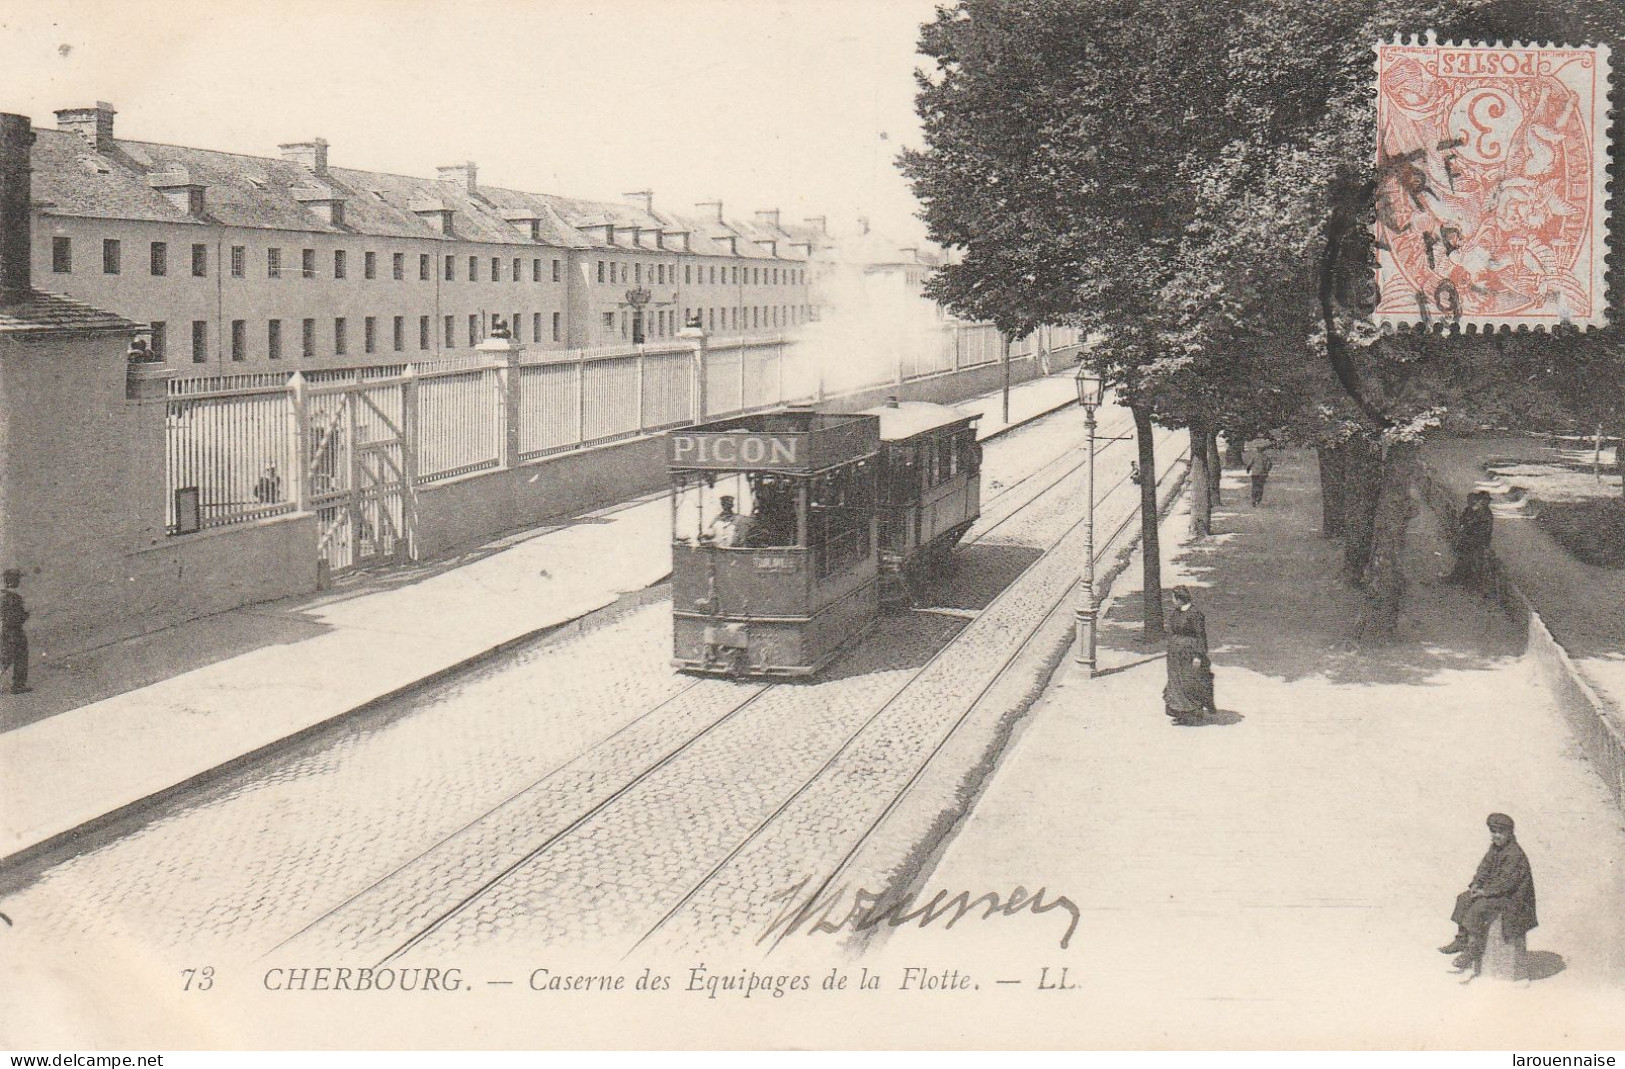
(1090, 390)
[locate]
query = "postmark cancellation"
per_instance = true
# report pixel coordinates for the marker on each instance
(1491, 185)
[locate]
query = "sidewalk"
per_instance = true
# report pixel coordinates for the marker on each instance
(1280, 877)
(1582, 604)
(112, 726)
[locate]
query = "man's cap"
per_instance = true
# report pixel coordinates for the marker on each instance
(1500, 822)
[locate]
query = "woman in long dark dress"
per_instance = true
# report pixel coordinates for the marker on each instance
(1189, 694)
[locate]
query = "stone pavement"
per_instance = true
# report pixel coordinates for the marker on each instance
(1280, 877)
(125, 722)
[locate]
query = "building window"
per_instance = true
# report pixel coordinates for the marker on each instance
(307, 263)
(624, 322)
(273, 263)
(711, 319)
(341, 265)
(661, 271)
(451, 267)
(369, 264)
(473, 268)
(160, 339)
(473, 330)
(369, 334)
(239, 260)
(558, 270)
(637, 274)
(536, 326)
(496, 270)
(200, 341)
(600, 270)
(160, 258)
(688, 274)
(451, 331)
(609, 321)
(516, 268)
(400, 333)
(423, 332)
(273, 339)
(423, 267)
(200, 261)
(713, 274)
(398, 266)
(340, 343)
(307, 339)
(239, 340)
(558, 326)
(518, 323)
(62, 255)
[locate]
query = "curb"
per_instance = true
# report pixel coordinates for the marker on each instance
(1599, 737)
(1020, 423)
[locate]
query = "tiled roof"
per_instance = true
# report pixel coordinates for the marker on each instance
(259, 192)
(49, 313)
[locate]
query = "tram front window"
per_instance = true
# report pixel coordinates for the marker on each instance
(734, 511)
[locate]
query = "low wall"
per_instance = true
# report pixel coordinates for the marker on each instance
(1598, 735)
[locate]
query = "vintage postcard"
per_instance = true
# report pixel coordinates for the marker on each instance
(820, 525)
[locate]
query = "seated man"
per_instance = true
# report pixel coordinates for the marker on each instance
(1502, 887)
(729, 528)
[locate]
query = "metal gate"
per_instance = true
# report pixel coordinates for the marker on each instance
(359, 467)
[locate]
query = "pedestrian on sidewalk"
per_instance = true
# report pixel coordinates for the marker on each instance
(1189, 694)
(1258, 466)
(1475, 528)
(13, 640)
(1503, 886)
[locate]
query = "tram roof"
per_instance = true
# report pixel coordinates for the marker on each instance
(907, 419)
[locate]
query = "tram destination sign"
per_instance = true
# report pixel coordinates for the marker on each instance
(738, 449)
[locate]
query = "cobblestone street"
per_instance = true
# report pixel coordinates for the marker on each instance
(595, 798)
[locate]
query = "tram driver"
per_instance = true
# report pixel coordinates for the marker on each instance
(729, 528)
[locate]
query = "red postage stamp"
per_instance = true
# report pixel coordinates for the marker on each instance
(1492, 174)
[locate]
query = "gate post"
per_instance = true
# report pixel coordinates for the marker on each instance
(406, 539)
(700, 339)
(504, 353)
(299, 466)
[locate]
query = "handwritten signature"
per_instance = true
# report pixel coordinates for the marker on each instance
(827, 912)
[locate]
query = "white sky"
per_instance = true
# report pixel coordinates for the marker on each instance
(763, 103)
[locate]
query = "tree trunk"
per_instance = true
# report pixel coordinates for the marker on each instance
(1332, 458)
(1385, 577)
(1202, 480)
(1233, 457)
(1362, 473)
(1150, 545)
(1215, 469)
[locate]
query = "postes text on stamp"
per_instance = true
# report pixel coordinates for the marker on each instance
(1491, 185)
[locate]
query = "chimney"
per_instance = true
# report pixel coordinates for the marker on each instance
(311, 155)
(770, 217)
(16, 141)
(717, 204)
(464, 174)
(643, 199)
(95, 124)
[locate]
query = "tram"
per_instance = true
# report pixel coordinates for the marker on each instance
(787, 526)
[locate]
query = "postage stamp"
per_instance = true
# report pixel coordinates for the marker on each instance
(1492, 175)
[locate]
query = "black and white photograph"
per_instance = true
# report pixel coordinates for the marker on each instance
(950, 525)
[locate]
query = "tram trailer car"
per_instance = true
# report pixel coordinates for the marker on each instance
(774, 528)
(930, 491)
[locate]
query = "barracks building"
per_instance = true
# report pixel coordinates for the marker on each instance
(249, 263)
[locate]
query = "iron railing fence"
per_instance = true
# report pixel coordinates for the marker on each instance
(235, 452)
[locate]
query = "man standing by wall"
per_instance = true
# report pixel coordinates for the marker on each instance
(13, 641)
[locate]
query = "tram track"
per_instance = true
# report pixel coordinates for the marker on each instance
(821, 889)
(1044, 478)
